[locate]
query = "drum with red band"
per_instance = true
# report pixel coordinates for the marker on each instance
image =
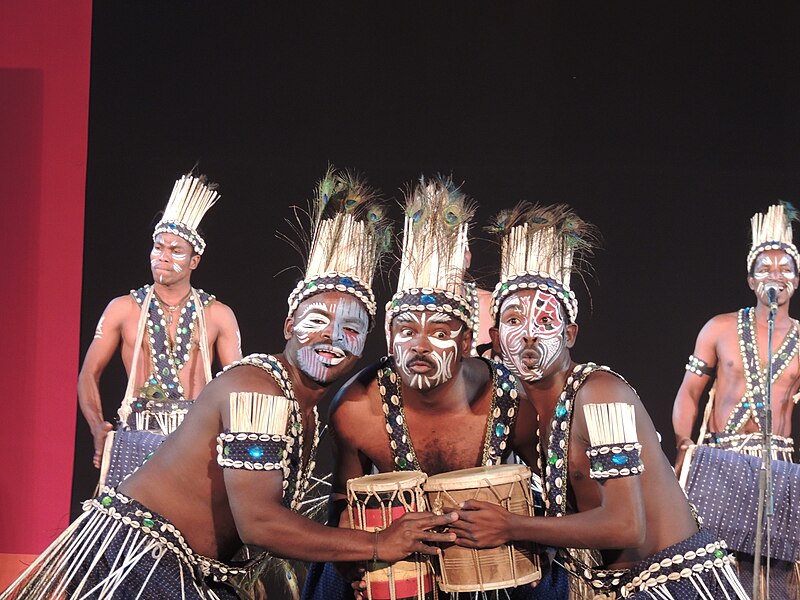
(374, 502)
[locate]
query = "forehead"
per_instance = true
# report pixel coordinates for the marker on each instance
(524, 300)
(425, 318)
(172, 240)
(771, 257)
(340, 304)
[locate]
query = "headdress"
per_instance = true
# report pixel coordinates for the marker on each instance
(773, 231)
(348, 238)
(434, 255)
(541, 246)
(190, 199)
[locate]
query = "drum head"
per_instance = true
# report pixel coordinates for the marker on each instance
(477, 477)
(386, 482)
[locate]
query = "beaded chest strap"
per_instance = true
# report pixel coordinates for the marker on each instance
(502, 415)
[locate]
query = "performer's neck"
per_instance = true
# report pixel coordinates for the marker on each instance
(781, 316)
(174, 292)
(545, 392)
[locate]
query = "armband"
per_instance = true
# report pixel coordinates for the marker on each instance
(253, 451)
(256, 440)
(698, 366)
(611, 461)
(615, 448)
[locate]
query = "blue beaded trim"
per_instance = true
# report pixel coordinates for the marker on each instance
(181, 230)
(333, 282)
(420, 299)
(610, 461)
(254, 452)
(532, 281)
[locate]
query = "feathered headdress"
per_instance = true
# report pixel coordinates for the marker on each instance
(349, 236)
(434, 254)
(773, 231)
(190, 199)
(541, 246)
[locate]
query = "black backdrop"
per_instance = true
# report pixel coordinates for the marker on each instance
(666, 125)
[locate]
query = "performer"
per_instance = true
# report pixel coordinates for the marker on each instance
(613, 507)
(427, 406)
(168, 333)
(732, 349)
(237, 469)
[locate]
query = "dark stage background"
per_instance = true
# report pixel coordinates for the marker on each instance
(667, 126)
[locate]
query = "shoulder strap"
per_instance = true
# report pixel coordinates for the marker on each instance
(143, 297)
(270, 365)
(502, 413)
(201, 300)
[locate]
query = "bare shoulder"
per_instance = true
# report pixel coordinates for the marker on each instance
(602, 387)
(243, 378)
(719, 325)
(120, 309)
(355, 401)
(219, 312)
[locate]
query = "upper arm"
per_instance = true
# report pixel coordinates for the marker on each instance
(107, 336)
(228, 341)
(705, 349)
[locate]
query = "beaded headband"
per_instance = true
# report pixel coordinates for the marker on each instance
(541, 246)
(349, 237)
(434, 255)
(773, 231)
(190, 200)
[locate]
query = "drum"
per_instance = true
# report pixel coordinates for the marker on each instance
(723, 486)
(509, 565)
(374, 502)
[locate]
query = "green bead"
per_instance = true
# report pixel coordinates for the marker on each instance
(401, 462)
(552, 459)
(719, 553)
(107, 501)
(598, 466)
(149, 456)
(157, 327)
(148, 523)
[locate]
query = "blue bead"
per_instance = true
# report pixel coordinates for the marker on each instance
(747, 405)
(255, 451)
(499, 429)
(759, 404)
(427, 299)
(561, 410)
(619, 459)
(346, 281)
(172, 226)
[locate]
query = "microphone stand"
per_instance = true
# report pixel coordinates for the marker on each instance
(766, 507)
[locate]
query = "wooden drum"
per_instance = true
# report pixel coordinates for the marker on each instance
(374, 502)
(468, 570)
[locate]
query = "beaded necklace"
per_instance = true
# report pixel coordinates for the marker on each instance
(168, 356)
(751, 406)
(502, 414)
(296, 480)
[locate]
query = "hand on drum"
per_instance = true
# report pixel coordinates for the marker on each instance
(410, 533)
(482, 525)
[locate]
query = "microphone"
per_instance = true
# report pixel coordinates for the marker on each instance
(772, 296)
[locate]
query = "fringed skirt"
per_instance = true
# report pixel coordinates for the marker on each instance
(698, 568)
(119, 549)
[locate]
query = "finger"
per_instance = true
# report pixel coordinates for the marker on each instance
(441, 520)
(439, 538)
(467, 543)
(475, 504)
(425, 549)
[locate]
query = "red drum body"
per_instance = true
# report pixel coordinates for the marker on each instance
(374, 503)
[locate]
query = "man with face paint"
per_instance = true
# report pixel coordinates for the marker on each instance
(614, 510)
(428, 406)
(236, 470)
(731, 349)
(169, 333)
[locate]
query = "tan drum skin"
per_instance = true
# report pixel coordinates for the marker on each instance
(510, 565)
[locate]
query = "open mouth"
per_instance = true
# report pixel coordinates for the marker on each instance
(330, 355)
(419, 366)
(530, 359)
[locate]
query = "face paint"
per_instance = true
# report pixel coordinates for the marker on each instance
(168, 255)
(774, 266)
(531, 333)
(345, 323)
(98, 332)
(425, 370)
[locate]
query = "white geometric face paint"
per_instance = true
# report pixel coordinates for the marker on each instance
(168, 255)
(774, 266)
(344, 322)
(413, 332)
(531, 333)
(98, 332)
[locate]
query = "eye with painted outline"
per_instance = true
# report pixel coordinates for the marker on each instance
(441, 335)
